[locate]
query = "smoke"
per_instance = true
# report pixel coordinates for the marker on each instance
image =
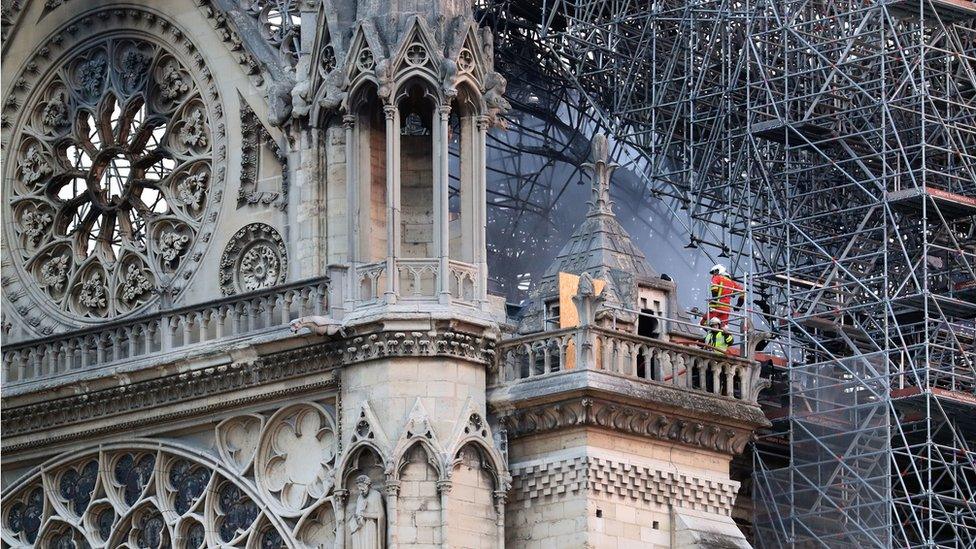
(537, 197)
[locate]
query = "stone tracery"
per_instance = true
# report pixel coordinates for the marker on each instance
(144, 496)
(254, 259)
(112, 171)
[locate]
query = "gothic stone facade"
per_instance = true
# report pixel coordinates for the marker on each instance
(245, 300)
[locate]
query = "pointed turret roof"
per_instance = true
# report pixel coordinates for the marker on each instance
(600, 244)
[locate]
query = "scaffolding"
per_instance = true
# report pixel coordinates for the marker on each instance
(828, 148)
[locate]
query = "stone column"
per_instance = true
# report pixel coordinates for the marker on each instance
(392, 201)
(392, 499)
(500, 497)
(352, 207)
(444, 489)
(481, 209)
(340, 515)
(442, 190)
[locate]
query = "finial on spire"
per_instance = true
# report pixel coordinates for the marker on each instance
(600, 170)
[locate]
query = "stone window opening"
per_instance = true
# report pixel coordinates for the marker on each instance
(370, 220)
(110, 180)
(417, 118)
(463, 172)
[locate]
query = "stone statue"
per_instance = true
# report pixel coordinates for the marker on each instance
(586, 299)
(318, 325)
(413, 125)
(366, 526)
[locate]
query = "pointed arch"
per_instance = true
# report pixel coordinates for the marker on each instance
(150, 495)
(473, 474)
(418, 51)
(473, 429)
(351, 460)
(365, 52)
(418, 431)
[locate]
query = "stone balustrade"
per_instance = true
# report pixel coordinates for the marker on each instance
(115, 342)
(640, 358)
(418, 279)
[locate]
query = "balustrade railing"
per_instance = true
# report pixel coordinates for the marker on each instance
(130, 339)
(417, 279)
(651, 360)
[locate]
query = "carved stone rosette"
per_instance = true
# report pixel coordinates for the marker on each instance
(254, 259)
(114, 165)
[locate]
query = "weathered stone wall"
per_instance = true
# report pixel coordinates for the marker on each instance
(417, 197)
(376, 239)
(442, 385)
(419, 514)
(547, 522)
(609, 489)
(335, 183)
(472, 516)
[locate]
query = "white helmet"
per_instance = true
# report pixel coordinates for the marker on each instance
(715, 320)
(719, 270)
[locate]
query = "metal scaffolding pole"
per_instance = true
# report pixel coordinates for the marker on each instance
(829, 149)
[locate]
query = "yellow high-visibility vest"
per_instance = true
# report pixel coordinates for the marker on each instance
(719, 340)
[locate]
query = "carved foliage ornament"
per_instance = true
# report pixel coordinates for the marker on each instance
(627, 419)
(111, 176)
(254, 138)
(254, 259)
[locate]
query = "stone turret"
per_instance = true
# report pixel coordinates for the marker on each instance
(412, 85)
(617, 436)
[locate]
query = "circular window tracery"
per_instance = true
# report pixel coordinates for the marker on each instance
(113, 176)
(137, 498)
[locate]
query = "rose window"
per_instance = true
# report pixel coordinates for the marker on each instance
(111, 499)
(112, 178)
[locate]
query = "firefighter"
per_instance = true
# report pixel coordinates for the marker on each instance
(716, 337)
(722, 289)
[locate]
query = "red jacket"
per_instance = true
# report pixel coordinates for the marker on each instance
(722, 290)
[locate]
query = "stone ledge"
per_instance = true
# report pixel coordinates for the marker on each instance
(642, 393)
(218, 371)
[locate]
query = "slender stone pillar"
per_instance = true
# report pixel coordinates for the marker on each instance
(443, 190)
(392, 201)
(481, 208)
(392, 502)
(444, 489)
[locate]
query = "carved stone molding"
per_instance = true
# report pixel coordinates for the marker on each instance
(593, 412)
(255, 258)
(255, 137)
(227, 31)
(435, 343)
(206, 382)
(617, 479)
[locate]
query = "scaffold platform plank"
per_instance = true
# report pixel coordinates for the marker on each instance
(958, 404)
(952, 307)
(951, 205)
(798, 134)
(949, 11)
